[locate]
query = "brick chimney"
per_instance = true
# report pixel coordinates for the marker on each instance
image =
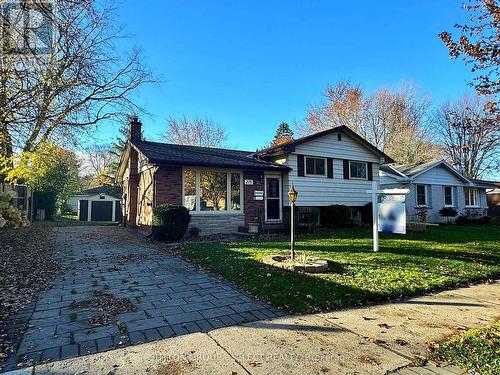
(134, 134)
(134, 129)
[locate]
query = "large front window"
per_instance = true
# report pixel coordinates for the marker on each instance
(208, 190)
(471, 197)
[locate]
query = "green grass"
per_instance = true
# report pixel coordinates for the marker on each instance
(476, 350)
(406, 265)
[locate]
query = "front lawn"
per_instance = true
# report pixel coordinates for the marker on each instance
(477, 350)
(442, 257)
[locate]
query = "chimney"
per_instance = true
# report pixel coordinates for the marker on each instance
(134, 129)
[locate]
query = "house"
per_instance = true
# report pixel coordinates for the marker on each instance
(101, 203)
(493, 199)
(226, 190)
(435, 185)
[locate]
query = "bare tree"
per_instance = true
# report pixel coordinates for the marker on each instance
(343, 105)
(196, 132)
(98, 160)
(470, 135)
(80, 81)
(478, 45)
(394, 121)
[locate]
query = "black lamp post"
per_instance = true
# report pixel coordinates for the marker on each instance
(292, 194)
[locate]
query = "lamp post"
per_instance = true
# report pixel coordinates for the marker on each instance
(292, 194)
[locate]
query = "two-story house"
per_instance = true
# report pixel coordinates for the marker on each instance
(226, 190)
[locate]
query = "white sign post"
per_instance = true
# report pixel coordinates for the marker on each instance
(375, 192)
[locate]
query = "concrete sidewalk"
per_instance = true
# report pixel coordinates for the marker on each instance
(373, 340)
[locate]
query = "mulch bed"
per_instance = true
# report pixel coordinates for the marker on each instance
(27, 263)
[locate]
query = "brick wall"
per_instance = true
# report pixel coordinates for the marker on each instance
(168, 185)
(253, 208)
(133, 182)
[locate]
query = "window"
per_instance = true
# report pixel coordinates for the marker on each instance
(190, 189)
(315, 166)
(421, 195)
(235, 191)
(471, 197)
(212, 190)
(358, 170)
(448, 196)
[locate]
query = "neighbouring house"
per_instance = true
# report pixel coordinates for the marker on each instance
(226, 190)
(493, 198)
(101, 203)
(435, 185)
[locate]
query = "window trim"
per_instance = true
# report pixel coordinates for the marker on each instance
(426, 204)
(315, 174)
(228, 172)
(477, 203)
(358, 178)
(452, 197)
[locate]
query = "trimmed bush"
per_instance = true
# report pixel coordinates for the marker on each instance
(170, 223)
(448, 212)
(336, 216)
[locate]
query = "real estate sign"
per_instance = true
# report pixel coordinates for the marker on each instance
(392, 214)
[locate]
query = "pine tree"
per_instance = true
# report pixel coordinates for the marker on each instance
(283, 134)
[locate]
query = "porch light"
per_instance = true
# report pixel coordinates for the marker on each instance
(292, 194)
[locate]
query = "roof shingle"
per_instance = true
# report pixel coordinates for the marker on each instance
(172, 154)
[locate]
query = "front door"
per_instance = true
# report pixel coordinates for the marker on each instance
(273, 198)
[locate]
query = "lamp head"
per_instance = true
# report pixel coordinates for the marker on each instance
(292, 194)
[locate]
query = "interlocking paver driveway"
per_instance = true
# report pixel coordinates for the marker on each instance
(171, 296)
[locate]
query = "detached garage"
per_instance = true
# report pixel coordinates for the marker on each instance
(99, 207)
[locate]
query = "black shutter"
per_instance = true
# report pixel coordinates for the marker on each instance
(329, 167)
(370, 172)
(346, 169)
(300, 165)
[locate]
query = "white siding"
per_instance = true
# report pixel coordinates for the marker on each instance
(323, 191)
(439, 176)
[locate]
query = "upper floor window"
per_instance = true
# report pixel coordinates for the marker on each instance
(315, 166)
(448, 196)
(358, 170)
(471, 197)
(421, 195)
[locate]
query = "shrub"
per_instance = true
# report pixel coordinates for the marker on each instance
(422, 214)
(448, 212)
(194, 232)
(473, 216)
(367, 213)
(336, 216)
(170, 223)
(11, 216)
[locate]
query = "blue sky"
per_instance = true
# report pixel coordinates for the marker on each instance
(248, 65)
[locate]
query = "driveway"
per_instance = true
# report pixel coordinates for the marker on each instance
(388, 338)
(118, 289)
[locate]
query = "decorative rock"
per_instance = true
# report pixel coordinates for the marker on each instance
(311, 265)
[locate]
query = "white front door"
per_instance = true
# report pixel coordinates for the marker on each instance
(273, 198)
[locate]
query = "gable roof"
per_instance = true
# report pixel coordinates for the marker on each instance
(113, 191)
(416, 169)
(290, 146)
(173, 154)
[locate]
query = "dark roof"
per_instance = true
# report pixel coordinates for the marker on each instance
(413, 169)
(390, 169)
(290, 146)
(114, 191)
(172, 154)
(487, 183)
